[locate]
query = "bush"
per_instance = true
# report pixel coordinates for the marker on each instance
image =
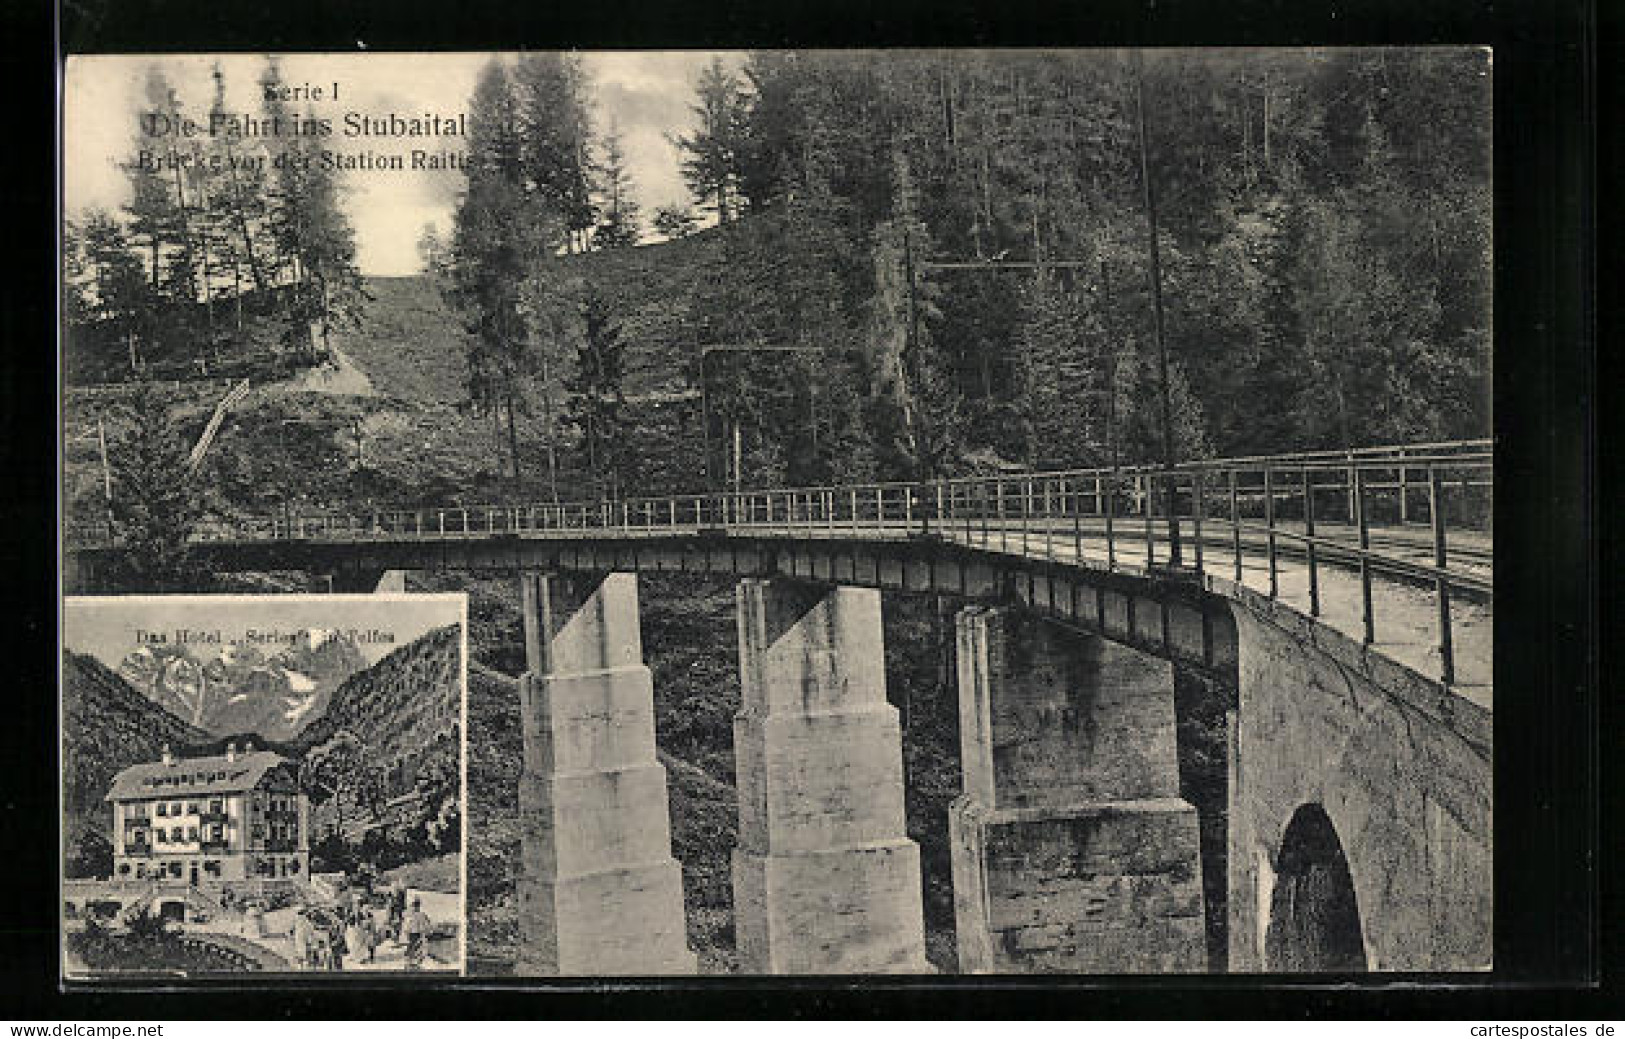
(144, 924)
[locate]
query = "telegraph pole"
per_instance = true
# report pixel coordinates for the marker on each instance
(732, 441)
(1150, 197)
(107, 473)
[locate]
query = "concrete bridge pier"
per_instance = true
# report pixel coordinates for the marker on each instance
(1072, 850)
(825, 878)
(599, 891)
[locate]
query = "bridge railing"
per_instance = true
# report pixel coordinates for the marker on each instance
(1420, 514)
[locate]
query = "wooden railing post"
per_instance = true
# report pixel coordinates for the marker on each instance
(1235, 524)
(1077, 524)
(1447, 654)
(1026, 511)
(1365, 562)
(1049, 532)
(1404, 487)
(1200, 503)
(1111, 511)
(1269, 531)
(1147, 494)
(1309, 543)
(1004, 532)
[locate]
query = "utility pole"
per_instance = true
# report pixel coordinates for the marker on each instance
(1150, 197)
(734, 433)
(107, 473)
(738, 456)
(705, 424)
(1111, 367)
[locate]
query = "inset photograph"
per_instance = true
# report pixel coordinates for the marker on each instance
(263, 783)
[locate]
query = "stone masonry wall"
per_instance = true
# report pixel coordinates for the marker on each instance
(1402, 769)
(1072, 851)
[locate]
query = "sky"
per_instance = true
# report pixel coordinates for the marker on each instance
(106, 626)
(645, 94)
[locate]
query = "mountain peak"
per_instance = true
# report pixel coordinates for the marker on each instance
(240, 688)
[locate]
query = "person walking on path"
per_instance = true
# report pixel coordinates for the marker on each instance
(369, 934)
(355, 941)
(415, 926)
(303, 935)
(397, 910)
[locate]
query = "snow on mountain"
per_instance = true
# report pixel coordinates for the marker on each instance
(297, 707)
(239, 689)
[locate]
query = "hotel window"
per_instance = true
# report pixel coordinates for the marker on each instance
(216, 806)
(163, 809)
(191, 808)
(191, 833)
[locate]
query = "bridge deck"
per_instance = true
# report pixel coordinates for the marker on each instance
(1405, 612)
(1429, 584)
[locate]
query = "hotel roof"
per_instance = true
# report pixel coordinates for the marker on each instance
(190, 777)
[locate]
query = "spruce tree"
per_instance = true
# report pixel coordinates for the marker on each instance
(619, 223)
(155, 501)
(595, 394)
(712, 168)
(500, 233)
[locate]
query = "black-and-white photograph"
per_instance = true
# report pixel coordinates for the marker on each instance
(262, 783)
(936, 512)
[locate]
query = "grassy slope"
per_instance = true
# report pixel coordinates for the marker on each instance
(420, 445)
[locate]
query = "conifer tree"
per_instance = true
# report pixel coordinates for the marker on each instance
(712, 167)
(554, 135)
(619, 223)
(154, 503)
(312, 231)
(155, 219)
(500, 233)
(240, 197)
(916, 408)
(595, 401)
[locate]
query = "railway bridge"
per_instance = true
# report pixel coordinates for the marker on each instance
(1341, 601)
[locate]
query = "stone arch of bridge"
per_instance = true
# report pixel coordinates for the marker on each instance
(1314, 913)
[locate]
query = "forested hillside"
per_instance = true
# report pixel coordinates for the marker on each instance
(958, 248)
(923, 265)
(386, 754)
(107, 725)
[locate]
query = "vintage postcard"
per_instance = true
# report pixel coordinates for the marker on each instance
(262, 783)
(943, 512)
